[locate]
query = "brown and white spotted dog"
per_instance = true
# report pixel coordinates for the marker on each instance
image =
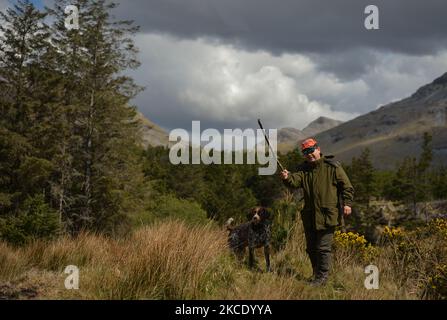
(253, 234)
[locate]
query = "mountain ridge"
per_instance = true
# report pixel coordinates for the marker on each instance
(395, 130)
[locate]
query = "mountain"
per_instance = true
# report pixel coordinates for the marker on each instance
(320, 125)
(396, 130)
(288, 138)
(152, 135)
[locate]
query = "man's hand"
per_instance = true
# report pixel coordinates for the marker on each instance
(347, 211)
(285, 175)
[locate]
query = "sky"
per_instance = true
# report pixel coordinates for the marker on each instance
(228, 63)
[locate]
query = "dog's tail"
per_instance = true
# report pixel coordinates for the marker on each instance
(229, 223)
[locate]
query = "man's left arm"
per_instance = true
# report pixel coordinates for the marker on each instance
(347, 190)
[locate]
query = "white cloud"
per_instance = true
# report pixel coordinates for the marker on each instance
(3, 4)
(397, 76)
(228, 86)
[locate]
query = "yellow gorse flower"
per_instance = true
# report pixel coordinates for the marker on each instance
(438, 282)
(439, 225)
(349, 239)
(393, 233)
(356, 242)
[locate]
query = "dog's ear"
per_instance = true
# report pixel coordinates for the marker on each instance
(265, 213)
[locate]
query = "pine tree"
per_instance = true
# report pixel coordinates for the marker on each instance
(23, 41)
(411, 182)
(425, 160)
(362, 175)
(102, 138)
(438, 182)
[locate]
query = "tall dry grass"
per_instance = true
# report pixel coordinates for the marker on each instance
(174, 260)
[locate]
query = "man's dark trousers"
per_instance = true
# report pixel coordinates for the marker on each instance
(319, 249)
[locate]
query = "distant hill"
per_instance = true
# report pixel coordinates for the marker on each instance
(152, 134)
(395, 131)
(288, 138)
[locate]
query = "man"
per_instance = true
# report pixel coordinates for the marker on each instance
(327, 190)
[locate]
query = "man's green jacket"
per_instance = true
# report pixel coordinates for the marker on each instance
(321, 182)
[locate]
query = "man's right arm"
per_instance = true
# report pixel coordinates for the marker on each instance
(294, 180)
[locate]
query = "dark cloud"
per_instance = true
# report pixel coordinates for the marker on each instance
(348, 64)
(407, 26)
(287, 61)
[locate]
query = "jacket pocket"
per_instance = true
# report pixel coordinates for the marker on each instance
(330, 216)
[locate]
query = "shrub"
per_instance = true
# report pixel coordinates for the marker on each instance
(417, 258)
(437, 287)
(439, 226)
(170, 207)
(36, 220)
(284, 216)
(353, 245)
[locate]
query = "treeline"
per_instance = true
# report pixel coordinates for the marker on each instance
(413, 180)
(69, 156)
(222, 191)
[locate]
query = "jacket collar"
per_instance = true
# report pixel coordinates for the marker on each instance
(316, 163)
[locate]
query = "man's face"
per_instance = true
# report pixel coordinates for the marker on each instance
(312, 154)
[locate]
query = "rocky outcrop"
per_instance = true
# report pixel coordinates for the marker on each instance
(151, 134)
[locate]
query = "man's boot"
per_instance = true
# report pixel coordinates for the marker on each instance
(319, 281)
(313, 260)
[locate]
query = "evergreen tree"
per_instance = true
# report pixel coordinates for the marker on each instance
(411, 182)
(425, 160)
(362, 175)
(23, 42)
(438, 183)
(23, 36)
(98, 160)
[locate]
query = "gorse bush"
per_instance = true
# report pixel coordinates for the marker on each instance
(439, 226)
(36, 220)
(437, 284)
(392, 234)
(416, 258)
(353, 245)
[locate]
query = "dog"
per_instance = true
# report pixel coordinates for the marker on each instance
(253, 234)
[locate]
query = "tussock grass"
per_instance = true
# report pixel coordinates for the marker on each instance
(12, 263)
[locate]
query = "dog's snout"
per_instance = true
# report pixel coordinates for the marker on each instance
(256, 217)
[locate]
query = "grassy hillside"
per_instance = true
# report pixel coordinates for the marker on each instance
(173, 260)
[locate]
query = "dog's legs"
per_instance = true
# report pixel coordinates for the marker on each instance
(240, 252)
(267, 257)
(251, 257)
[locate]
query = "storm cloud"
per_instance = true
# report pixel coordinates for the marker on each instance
(406, 26)
(227, 63)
